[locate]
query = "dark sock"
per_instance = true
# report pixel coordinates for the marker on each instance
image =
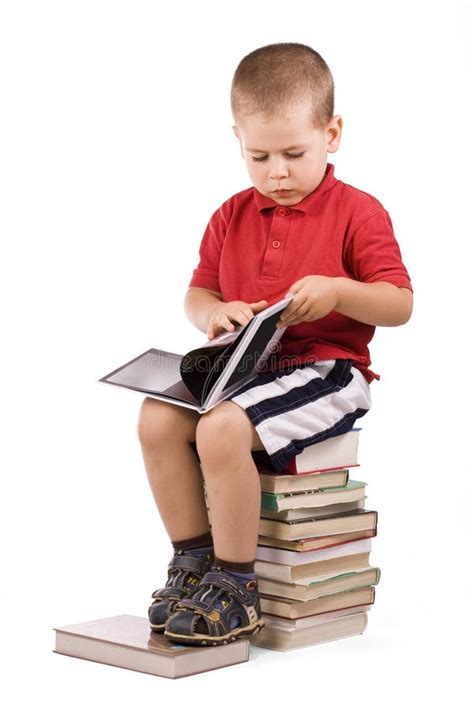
(198, 546)
(234, 566)
(241, 571)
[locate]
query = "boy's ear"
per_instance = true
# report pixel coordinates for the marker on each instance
(333, 134)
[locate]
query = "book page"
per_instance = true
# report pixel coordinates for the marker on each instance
(248, 353)
(154, 370)
(224, 338)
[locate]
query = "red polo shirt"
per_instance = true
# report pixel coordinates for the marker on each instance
(255, 249)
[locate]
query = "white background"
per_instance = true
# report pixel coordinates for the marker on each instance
(116, 147)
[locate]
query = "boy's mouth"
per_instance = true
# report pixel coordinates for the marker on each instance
(281, 192)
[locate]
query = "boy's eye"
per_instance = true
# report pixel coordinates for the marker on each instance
(289, 155)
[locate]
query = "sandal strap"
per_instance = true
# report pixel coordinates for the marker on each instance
(197, 605)
(213, 614)
(227, 582)
(207, 607)
(183, 564)
(187, 562)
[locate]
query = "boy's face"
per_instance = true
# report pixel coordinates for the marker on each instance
(287, 153)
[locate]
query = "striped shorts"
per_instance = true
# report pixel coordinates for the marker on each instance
(295, 407)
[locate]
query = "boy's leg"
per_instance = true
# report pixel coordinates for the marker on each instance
(174, 474)
(225, 438)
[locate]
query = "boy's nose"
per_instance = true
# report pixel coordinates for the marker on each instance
(278, 170)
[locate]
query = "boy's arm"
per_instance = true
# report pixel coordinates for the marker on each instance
(377, 303)
(199, 303)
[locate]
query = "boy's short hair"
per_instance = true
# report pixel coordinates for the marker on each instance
(271, 78)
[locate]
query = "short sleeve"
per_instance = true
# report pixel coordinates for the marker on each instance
(372, 252)
(206, 274)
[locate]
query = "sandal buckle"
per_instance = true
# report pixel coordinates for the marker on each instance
(213, 615)
(189, 604)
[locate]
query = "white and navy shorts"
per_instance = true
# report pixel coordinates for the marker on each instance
(300, 405)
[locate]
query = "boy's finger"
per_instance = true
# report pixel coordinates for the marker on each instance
(258, 305)
(293, 309)
(246, 315)
(242, 317)
(227, 324)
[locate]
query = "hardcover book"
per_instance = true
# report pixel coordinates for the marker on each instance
(282, 639)
(285, 608)
(337, 452)
(352, 491)
(285, 483)
(314, 587)
(126, 641)
(345, 522)
(209, 374)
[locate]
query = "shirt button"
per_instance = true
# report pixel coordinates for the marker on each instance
(276, 243)
(281, 211)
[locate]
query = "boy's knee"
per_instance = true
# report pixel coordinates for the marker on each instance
(218, 430)
(158, 421)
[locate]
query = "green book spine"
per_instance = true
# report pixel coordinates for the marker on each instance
(269, 500)
(349, 575)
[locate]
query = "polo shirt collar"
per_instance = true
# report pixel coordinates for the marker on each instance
(309, 203)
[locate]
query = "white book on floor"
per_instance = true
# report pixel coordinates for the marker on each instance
(127, 641)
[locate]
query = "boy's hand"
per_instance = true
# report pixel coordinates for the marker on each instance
(315, 297)
(238, 311)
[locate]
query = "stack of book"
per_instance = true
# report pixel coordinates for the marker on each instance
(312, 564)
(315, 581)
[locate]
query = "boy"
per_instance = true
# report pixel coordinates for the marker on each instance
(297, 229)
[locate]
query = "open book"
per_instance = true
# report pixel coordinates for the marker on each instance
(209, 374)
